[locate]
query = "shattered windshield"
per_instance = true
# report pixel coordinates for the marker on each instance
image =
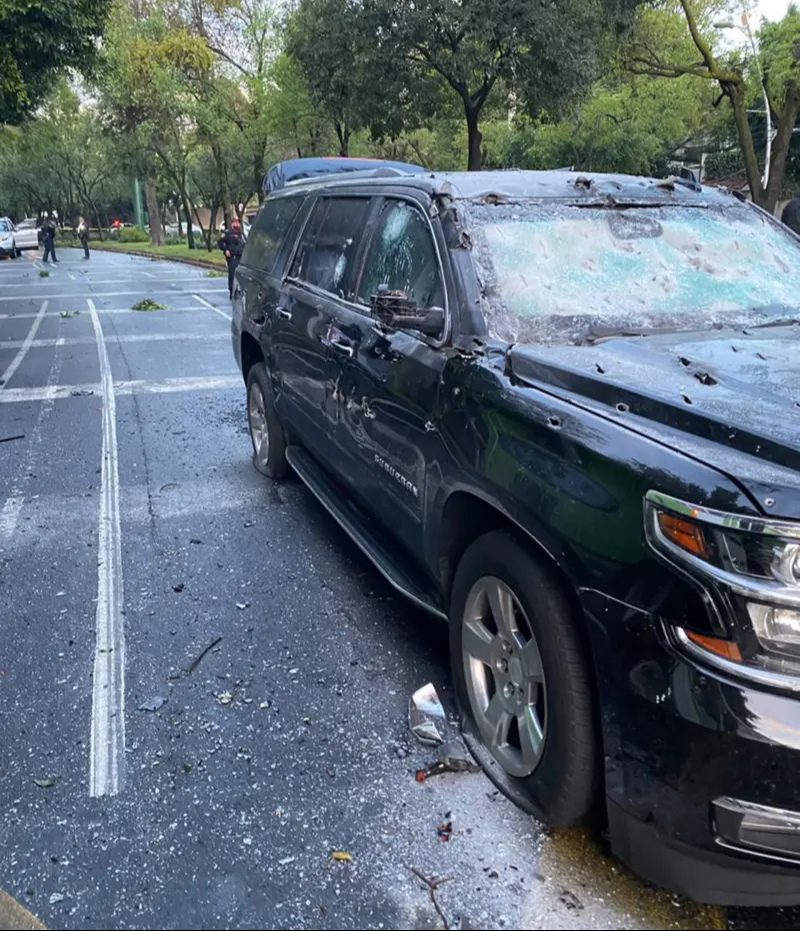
(557, 273)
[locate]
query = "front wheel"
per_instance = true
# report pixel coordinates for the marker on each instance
(266, 432)
(522, 681)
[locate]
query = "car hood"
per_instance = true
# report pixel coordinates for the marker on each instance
(730, 398)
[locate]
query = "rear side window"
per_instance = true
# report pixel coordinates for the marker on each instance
(327, 254)
(269, 231)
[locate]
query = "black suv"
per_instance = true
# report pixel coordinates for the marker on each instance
(562, 413)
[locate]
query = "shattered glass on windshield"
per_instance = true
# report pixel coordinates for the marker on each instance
(554, 273)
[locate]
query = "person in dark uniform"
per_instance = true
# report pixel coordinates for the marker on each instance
(49, 230)
(791, 214)
(232, 244)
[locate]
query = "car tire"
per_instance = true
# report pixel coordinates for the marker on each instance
(522, 683)
(266, 431)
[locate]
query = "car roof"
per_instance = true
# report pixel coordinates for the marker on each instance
(514, 185)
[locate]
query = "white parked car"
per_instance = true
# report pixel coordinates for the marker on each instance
(15, 239)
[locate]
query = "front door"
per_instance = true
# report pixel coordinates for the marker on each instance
(305, 364)
(389, 391)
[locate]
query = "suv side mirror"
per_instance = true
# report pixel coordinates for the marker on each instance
(395, 309)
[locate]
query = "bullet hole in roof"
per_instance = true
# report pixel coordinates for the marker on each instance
(555, 422)
(685, 361)
(687, 399)
(600, 368)
(705, 379)
(623, 408)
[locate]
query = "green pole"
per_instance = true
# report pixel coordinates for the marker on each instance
(138, 203)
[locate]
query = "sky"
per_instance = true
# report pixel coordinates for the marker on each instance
(772, 9)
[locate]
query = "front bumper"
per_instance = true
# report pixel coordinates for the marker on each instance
(688, 751)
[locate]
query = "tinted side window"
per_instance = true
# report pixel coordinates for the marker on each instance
(327, 253)
(267, 235)
(403, 256)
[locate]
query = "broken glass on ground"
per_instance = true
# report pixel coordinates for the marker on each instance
(426, 716)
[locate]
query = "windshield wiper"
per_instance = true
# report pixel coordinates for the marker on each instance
(784, 321)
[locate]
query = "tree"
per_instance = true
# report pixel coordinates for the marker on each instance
(39, 41)
(737, 80)
(544, 53)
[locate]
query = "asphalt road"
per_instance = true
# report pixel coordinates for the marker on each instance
(142, 786)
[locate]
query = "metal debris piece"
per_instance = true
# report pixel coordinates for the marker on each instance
(455, 758)
(286, 861)
(57, 897)
(47, 783)
(153, 704)
(179, 587)
(571, 901)
(426, 717)
(81, 392)
(342, 856)
(241, 605)
(195, 663)
(225, 698)
(445, 831)
(10, 439)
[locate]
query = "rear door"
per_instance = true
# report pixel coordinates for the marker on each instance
(389, 392)
(307, 357)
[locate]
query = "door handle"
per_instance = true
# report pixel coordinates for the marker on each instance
(285, 313)
(343, 346)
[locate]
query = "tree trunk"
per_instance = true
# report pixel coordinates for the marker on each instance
(780, 147)
(151, 199)
(187, 212)
(753, 171)
(343, 132)
(474, 136)
(259, 170)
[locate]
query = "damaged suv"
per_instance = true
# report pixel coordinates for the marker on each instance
(562, 413)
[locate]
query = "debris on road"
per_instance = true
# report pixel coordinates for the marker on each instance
(453, 757)
(179, 587)
(426, 717)
(149, 304)
(196, 662)
(342, 856)
(153, 704)
(286, 861)
(69, 313)
(46, 783)
(433, 883)
(81, 392)
(225, 698)
(44, 274)
(572, 902)
(445, 831)
(57, 897)
(10, 439)
(242, 605)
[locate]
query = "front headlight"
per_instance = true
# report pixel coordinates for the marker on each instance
(7, 241)
(749, 570)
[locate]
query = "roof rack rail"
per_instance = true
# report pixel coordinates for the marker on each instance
(299, 169)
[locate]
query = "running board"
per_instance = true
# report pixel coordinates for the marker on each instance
(392, 564)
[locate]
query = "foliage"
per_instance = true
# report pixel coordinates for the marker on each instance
(132, 234)
(39, 41)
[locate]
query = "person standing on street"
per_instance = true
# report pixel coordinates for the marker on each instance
(83, 236)
(232, 244)
(49, 230)
(791, 214)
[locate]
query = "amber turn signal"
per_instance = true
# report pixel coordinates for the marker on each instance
(727, 649)
(683, 533)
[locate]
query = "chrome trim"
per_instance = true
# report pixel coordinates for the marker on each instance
(774, 680)
(744, 522)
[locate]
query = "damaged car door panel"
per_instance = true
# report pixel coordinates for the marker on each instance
(565, 417)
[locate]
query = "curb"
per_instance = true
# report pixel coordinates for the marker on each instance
(180, 260)
(13, 917)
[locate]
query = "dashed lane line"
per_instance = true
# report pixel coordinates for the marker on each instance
(108, 686)
(27, 344)
(23, 347)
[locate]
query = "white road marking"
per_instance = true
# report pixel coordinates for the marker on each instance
(23, 347)
(210, 306)
(10, 515)
(108, 687)
(104, 294)
(190, 308)
(112, 338)
(164, 386)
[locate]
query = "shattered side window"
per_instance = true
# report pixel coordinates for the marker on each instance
(551, 273)
(402, 257)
